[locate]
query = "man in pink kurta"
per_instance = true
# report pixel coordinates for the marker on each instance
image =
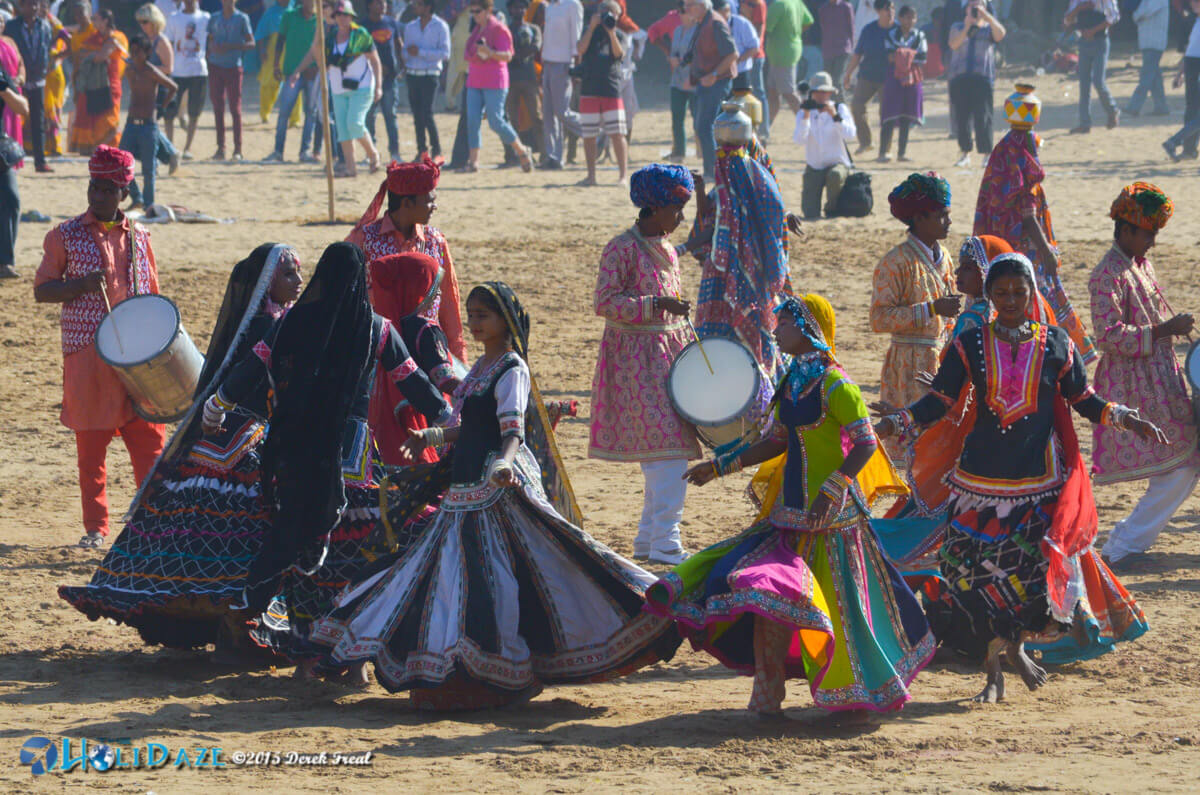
(1135, 332)
(411, 193)
(637, 294)
(83, 256)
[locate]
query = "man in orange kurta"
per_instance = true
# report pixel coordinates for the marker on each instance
(913, 296)
(83, 256)
(411, 192)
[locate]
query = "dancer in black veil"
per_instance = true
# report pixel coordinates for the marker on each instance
(321, 479)
(200, 518)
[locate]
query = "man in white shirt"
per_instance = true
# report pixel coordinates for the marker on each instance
(187, 30)
(560, 39)
(823, 132)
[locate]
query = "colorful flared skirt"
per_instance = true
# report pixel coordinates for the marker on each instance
(384, 516)
(993, 584)
(858, 634)
(500, 596)
(181, 558)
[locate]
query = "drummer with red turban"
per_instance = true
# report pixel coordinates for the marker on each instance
(403, 286)
(411, 193)
(1135, 331)
(85, 259)
(913, 295)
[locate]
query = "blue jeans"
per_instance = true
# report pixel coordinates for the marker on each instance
(708, 105)
(1191, 115)
(491, 101)
(1093, 70)
(140, 139)
(288, 94)
(812, 60)
(1150, 81)
(760, 92)
(165, 150)
(386, 103)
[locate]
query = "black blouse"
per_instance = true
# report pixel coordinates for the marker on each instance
(1012, 450)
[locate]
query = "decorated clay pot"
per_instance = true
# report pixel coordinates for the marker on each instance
(1022, 108)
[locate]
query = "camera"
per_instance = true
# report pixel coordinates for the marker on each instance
(803, 89)
(608, 19)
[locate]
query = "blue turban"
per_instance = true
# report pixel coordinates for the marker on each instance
(660, 185)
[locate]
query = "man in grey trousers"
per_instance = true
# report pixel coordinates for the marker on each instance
(561, 29)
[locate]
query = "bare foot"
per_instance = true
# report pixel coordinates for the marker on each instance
(586, 182)
(1032, 674)
(993, 690)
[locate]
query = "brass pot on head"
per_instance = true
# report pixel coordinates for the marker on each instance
(733, 126)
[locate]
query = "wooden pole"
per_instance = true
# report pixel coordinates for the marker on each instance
(324, 78)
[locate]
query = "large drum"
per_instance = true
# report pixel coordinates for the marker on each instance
(722, 402)
(143, 339)
(1191, 367)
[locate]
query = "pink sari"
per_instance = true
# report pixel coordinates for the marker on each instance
(10, 60)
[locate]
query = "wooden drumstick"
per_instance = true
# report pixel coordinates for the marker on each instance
(108, 307)
(700, 345)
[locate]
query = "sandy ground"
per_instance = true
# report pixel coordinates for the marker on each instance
(1124, 722)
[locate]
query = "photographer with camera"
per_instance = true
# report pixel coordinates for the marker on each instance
(972, 76)
(601, 48)
(823, 127)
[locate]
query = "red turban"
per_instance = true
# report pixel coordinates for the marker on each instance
(405, 179)
(112, 164)
(402, 283)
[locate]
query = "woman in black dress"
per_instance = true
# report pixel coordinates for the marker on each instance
(1022, 516)
(321, 479)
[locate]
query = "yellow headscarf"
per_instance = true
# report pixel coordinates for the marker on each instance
(877, 478)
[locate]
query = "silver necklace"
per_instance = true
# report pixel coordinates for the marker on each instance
(1017, 334)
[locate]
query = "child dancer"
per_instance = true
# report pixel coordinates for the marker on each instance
(501, 595)
(806, 591)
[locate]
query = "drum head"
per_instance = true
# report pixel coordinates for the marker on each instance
(1191, 365)
(137, 330)
(717, 396)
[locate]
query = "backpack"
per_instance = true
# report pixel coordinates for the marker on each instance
(856, 199)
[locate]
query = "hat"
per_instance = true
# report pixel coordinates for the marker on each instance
(344, 7)
(112, 164)
(1143, 205)
(404, 179)
(821, 82)
(660, 185)
(920, 193)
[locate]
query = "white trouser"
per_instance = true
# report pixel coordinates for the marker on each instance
(1164, 495)
(658, 532)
